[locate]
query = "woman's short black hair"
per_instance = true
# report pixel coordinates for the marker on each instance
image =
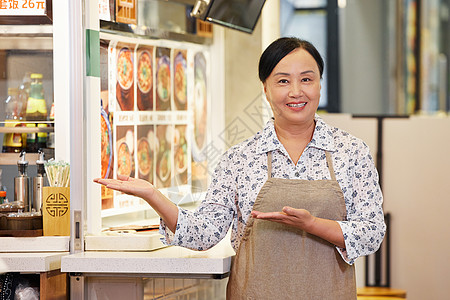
(282, 47)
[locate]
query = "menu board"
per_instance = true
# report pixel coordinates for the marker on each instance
(154, 116)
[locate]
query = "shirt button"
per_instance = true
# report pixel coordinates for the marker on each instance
(297, 174)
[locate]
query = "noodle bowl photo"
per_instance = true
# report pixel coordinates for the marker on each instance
(125, 68)
(144, 72)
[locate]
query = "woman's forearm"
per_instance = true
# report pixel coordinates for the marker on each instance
(328, 230)
(165, 208)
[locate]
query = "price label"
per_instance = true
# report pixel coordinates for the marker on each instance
(22, 8)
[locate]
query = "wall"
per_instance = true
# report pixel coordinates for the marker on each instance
(416, 188)
(243, 89)
(416, 193)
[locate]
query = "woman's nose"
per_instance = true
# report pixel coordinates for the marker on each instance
(296, 89)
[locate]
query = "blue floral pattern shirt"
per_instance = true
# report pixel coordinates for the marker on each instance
(242, 171)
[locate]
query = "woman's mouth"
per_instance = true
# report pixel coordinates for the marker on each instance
(296, 105)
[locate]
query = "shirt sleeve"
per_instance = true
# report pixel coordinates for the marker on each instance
(208, 224)
(364, 228)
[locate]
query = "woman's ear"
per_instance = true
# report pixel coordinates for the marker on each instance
(265, 89)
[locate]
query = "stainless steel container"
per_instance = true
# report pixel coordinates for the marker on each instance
(38, 183)
(22, 183)
(21, 191)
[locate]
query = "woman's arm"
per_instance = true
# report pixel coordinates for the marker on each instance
(167, 210)
(328, 230)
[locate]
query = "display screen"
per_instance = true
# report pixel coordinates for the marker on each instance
(237, 14)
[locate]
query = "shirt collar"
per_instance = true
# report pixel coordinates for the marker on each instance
(322, 137)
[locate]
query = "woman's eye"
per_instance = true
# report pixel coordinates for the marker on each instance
(306, 79)
(283, 81)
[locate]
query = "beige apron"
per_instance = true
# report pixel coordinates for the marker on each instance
(276, 261)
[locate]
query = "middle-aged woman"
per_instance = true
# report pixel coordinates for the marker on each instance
(302, 197)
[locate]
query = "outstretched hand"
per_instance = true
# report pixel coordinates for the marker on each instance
(128, 185)
(300, 218)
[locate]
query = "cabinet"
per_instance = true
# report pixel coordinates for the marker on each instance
(23, 49)
(40, 48)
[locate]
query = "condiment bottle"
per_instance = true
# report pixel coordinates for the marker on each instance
(36, 111)
(24, 92)
(3, 197)
(12, 142)
(22, 182)
(38, 182)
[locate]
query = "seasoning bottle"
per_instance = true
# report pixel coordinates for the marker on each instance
(24, 92)
(3, 197)
(36, 111)
(38, 182)
(22, 182)
(12, 142)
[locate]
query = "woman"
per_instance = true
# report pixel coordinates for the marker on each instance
(302, 197)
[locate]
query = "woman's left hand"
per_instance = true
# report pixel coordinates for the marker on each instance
(300, 218)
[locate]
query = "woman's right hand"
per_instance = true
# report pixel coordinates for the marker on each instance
(145, 190)
(128, 185)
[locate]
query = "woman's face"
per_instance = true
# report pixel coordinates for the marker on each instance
(293, 89)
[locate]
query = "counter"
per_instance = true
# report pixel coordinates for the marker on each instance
(34, 244)
(171, 261)
(36, 262)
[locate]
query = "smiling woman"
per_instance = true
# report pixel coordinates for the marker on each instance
(301, 197)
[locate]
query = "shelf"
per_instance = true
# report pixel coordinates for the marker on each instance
(24, 129)
(140, 31)
(27, 30)
(26, 37)
(12, 158)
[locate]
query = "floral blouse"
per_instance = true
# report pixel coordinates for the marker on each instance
(242, 171)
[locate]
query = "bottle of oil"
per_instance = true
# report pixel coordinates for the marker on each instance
(24, 92)
(13, 142)
(22, 183)
(36, 111)
(38, 182)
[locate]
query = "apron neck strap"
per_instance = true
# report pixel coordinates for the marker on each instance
(330, 165)
(269, 164)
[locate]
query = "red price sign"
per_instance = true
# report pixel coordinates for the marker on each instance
(22, 7)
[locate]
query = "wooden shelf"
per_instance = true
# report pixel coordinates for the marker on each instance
(12, 158)
(4, 129)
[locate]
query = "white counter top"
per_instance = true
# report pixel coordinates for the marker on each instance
(34, 244)
(167, 261)
(30, 262)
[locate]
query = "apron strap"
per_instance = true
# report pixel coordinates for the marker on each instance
(330, 165)
(269, 164)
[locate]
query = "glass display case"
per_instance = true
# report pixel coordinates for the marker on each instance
(31, 90)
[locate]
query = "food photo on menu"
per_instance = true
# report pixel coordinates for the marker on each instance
(125, 77)
(163, 87)
(163, 144)
(144, 75)
(106, 125)
(180, 79)
(180, 155)
(145, 151)
(199, 107)
(125, 150)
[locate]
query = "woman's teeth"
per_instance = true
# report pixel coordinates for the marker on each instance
(296, 104)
